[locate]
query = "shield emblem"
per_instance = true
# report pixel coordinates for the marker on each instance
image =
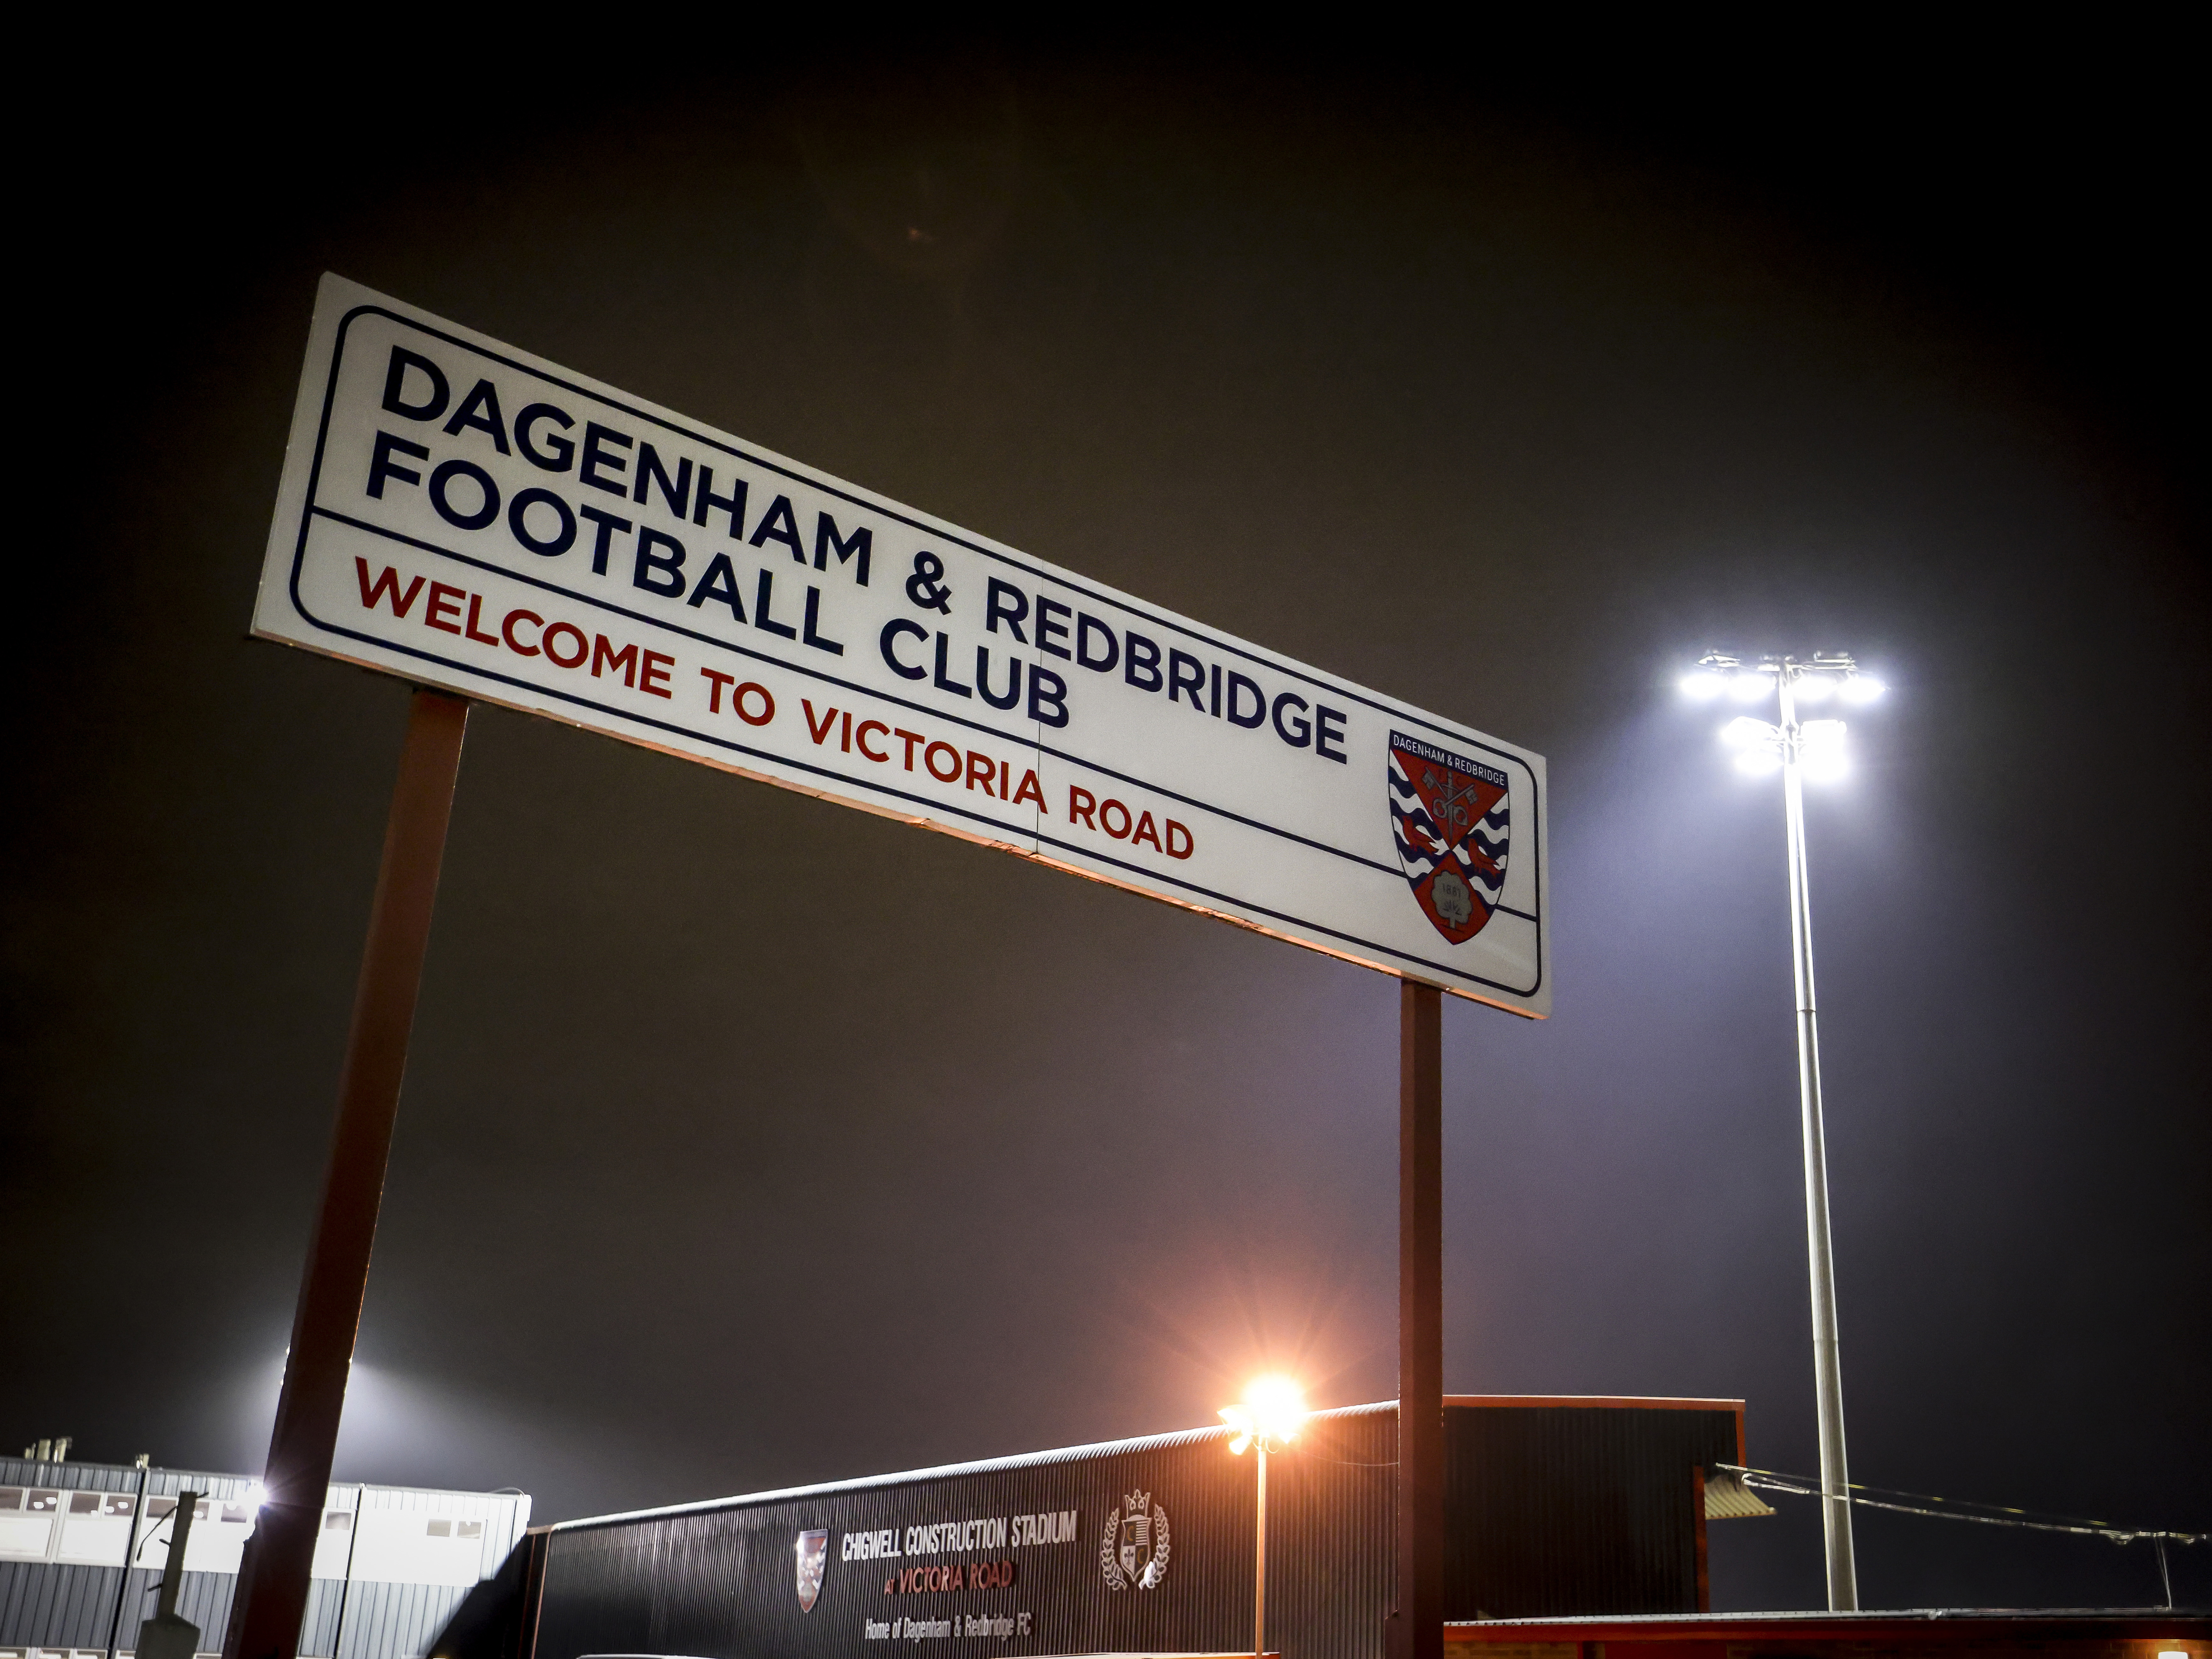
(813, 1553)
(1450, 817)
(1136, 1552)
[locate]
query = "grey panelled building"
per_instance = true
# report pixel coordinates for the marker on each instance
(391, 1564)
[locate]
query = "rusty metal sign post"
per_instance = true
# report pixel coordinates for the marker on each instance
(271, 1597)
(1417, 1630)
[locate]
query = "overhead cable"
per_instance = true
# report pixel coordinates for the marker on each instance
(1956, 1509)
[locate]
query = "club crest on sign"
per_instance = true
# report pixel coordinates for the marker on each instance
(1450, 817)
(1133, 1548)
(813, 1554)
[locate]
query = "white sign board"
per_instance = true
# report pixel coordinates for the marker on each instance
(472, 518)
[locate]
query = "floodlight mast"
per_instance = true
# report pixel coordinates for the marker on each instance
(1827, 1362)
(1787, 743)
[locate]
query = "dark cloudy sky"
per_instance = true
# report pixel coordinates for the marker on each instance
(749, 1140)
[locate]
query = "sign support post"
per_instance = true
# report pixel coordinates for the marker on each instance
(271, 1597)
(1418, 1627)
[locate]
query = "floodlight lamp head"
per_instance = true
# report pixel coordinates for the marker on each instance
(1272, 1412)
(1703, 684)
(1863, 687)
(1751, 684)
(1743, 732)
(1709, 677)
(1759, 763)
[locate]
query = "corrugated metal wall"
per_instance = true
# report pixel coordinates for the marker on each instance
(51, 1605)
(1332, 1554)
(1575, 1509)
(382, 1621)
(68, 1607)
(1548, 1509)
(392, 1620)
(493, 1621)
(61, 1605)
(720, 1581)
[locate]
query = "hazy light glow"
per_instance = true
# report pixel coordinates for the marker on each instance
(256, 1494)
(1825, 766)
(1759, 763)
(1744, 731)
(1272, 1411)
(1704, 683)
(1815, 688)
(1821, 735)
(1749, 686)
(1863, 687)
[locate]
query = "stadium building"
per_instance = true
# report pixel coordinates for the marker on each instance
(392, 1563)
(1551, 1506)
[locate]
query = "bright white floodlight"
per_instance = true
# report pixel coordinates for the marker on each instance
(1820, 752)
(1759, 763)
(1704, 683)
(1749, 686)
(1744, 731)
(1831, 768)
(1863, 687)
(1815, 688)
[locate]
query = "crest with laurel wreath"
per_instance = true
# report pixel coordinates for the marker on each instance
(1133, 1548)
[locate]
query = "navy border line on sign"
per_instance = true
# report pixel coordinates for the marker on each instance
(1149, 876)
(827, 678)
(311, 511)
(849, 782)
(1429, 751)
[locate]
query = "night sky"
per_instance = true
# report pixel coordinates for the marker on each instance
(750, 1141)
